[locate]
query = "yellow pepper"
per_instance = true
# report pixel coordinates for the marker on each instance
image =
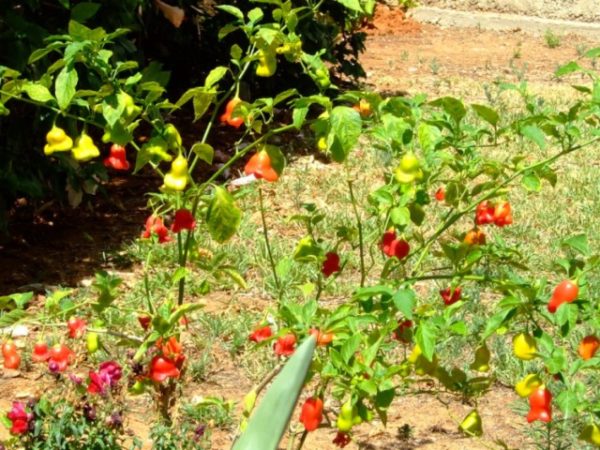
(85, 149)
(267, 63)
(528, 384)
(322, 143)
(482, 359)
(422, 365)
(471, 424)
(57, 141)
(409, 169)
(524, 347)
(348, 417)
(176, 179)
(591, 434)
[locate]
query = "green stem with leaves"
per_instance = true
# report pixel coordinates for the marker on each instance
(267, 242)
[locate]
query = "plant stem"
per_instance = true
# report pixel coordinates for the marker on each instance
(267, 243)
(302, 439)
(361, 244)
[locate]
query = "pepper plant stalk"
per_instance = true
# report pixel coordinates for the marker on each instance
(267, 243)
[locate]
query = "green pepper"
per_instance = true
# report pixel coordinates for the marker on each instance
(173, 136)
(345, 420)
(482, 359)
(158, 147)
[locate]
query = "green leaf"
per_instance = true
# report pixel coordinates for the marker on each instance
(204, 151)
(567, 401)
(38, 92)
(405, 300)
(346, 127)
(13, 301)
(487, 114)
(84, 11)
(593, 53)
(65, 86)
(400, 215)
(234, 11)
(12, 317)
(112, 109)
(354, 5)
(215, 76)
(454, 107)
(270, 419)
(307, 250)
(426, 336)
(428, 136)
(578, 243)
(350, 347)
(535, 135)
(531, 182)
(223, 217)
(567, 68)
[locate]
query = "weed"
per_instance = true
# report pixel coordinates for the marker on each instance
(552, 39)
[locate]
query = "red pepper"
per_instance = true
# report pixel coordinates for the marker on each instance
(566, 292)
(331, 264)
(341, 439)
(9, 348)
(162, 368)
(60, 358)
(484, 214)
(401, 332)
(391, 246)
(184, 220)
(155, 225)
(285, 345)
(540, 405)
(144, 322)
(450, 296)
(440, 194)
(502, 214)
(261, 334)
(259, 165)
(12, 359)
(312, 413)
(117, 159)
(76, 327)
(40, 352)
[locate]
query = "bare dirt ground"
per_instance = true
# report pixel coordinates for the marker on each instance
(401, 56)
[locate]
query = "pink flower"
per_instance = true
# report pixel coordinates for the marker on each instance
(184, 220)
(19, 418)
(108, 374)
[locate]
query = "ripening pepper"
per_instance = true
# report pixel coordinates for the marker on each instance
(60, 358)
(259, 165)
(323, 338)
(475, 236)
(57, 141)
(528, 384)
(440, 194)
(540, 405)
(524, 347)
(363, 107)
(137, 388)
(471, 424)
(588, 347)
(409, 169)
(267, 63)
(226, 117)
(85, 149)
(502, 214)
(176, 179)
(76, 326)
(482, 359)
(565, 292)
(312, 413)
(591, 434)
(92, 342)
